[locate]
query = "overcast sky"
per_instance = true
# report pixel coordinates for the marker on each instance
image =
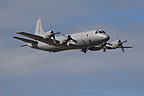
(30, 72)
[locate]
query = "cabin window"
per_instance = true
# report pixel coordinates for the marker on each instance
(87, 34)
(103, 31)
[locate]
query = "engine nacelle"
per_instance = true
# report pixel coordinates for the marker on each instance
(115, 44)
(46, 35)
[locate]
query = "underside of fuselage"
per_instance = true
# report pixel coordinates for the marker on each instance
(58, 49)
(51, 48)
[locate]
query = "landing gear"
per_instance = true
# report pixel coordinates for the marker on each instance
(84, 50)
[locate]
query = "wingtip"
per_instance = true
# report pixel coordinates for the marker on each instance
(18, 32)
(15, 37)
(23, 45)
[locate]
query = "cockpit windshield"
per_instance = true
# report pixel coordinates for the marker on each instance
(99, 31)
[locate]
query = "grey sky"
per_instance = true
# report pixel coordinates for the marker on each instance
(29, 72)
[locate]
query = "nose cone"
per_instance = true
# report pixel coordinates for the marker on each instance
(106, 37)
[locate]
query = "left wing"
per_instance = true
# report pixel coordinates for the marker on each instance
(126, 47)
(39, 38)
(110, 47)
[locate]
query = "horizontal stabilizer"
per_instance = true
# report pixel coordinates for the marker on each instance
(25, 40)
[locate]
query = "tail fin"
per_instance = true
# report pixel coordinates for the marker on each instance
(39, 28)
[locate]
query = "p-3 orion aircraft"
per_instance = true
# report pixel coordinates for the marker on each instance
(93, 40)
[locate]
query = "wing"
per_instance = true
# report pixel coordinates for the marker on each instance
(25, 40)
(108, 47)
(39, 38)
(126, 47)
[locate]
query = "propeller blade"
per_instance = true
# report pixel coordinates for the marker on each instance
(122, 48)
(53, 37)
(124, 41)
(74, 40)
(104, 46)
(120, 44)
(69, 38)
(52, 34)
(57, 32)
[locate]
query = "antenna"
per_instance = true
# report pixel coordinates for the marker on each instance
(51, 27)
(72, 31)
(118, 37)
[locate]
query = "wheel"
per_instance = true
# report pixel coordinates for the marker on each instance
(84, 50)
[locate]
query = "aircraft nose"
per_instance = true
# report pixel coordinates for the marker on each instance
(106, 37)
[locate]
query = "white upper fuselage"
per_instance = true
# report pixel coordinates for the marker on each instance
(84, 40)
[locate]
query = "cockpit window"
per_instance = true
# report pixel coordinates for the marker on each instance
(103, 31)
(98, 31)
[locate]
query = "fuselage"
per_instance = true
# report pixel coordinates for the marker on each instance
(86, 39)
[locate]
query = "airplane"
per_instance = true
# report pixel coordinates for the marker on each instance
(93, 40)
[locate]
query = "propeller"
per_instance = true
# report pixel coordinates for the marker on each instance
(69, 38)
(104, 47)
(52, 34)
(120, 44)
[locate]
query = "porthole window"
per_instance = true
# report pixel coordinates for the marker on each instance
(87, 34)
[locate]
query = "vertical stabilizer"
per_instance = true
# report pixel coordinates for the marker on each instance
(39, 28)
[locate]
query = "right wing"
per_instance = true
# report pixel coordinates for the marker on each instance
(39, 38)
